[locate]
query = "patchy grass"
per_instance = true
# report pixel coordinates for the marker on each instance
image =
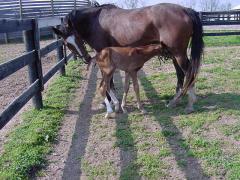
(167, 143)
(30, 142)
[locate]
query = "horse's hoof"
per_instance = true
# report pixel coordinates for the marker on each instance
(171, 104)
(143, 111)
(124, 110)
(189, 110)
(116, 108)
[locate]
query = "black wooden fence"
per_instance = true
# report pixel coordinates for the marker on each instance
(32, 59)
(219, 18)
(28, 9)
(22, 9)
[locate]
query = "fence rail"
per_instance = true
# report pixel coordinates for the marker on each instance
(22, 9)
(220, 18)
(32, 59)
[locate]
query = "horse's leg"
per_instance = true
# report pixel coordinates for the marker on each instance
(126, 88)
(136, 89)
(184, 64)
(180, 81)
(192, 98)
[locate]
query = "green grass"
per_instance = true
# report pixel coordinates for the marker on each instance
(212, 41)
(28, 145)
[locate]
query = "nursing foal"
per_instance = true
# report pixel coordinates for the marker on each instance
(129, 60)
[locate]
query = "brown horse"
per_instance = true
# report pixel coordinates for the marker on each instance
(171, 24)
(130, 60)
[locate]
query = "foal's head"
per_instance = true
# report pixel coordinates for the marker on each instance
(72, 39)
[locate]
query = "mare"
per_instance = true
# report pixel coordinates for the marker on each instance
(173, 25)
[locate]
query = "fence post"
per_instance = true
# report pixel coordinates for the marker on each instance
(75, 4)
(52, 7)
(6, 38)
(31, 39)
(60, 56)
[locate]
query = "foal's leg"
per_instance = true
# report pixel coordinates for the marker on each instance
(109, 108)
(103, 90)
(126, 88)
(111, 93)
(114, 99)
(136, 89)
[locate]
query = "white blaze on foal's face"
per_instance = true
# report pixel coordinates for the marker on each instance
(71, 40)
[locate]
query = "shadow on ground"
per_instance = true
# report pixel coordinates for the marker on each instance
(72, 169)
(191, 168)
(125, 140)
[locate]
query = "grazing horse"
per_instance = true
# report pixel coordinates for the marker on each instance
(130, 60)
(170, 24)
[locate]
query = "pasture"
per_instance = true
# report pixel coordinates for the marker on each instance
(164, 144)
(167, 143)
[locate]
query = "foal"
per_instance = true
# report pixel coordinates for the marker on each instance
(127, 59)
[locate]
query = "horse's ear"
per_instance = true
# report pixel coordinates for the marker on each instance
(57, 31)
(69, 23)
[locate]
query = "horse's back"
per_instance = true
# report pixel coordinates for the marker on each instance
(173, 24)
(161, 22)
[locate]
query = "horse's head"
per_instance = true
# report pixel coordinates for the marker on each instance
(72, 39)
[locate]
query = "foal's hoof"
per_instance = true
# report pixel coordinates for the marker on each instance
(109, 115)
(124, 110)
(189, 110)
(101, 106)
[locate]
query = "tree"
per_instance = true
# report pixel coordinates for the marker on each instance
(131, 4)
(225, 6)
(210, 5)
(189, 3)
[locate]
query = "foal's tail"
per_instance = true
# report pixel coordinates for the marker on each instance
(197, 46)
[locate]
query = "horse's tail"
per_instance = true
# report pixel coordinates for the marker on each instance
(197, 46)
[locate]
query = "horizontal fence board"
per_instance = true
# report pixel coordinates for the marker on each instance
(14, 65)
(46, 22)
(18, 103)
(49, 48)
(51, 72)
(15, 25)
(69, 56)
(222, 34)
(214, 23)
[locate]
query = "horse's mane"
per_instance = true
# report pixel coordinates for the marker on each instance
(106, 6)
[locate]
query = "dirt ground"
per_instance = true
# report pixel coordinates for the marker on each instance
(86, 145)
(13, 86)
